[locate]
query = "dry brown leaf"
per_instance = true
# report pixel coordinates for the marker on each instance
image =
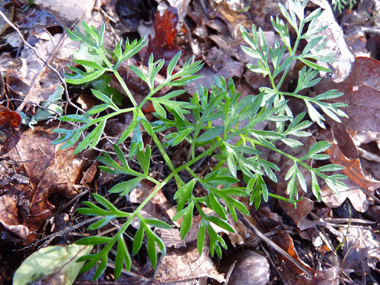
(360, 249)
(9, 216)
(185, 264)
(50, 171)
(356, 181)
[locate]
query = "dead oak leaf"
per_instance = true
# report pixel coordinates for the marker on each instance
(50, 171)
(357, 182)
(352, 168)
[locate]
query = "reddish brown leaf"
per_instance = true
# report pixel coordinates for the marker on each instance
(343, 139)
(10, 118)
(352, 169)
(162, 46)
(165, 27)
(303, 208)
(283, 239)
(149, 109)
(9, 138)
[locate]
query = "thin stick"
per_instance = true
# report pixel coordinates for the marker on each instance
(45, 62)
(272, 244)
(60, 233)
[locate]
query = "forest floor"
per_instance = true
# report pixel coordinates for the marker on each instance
(334, 241)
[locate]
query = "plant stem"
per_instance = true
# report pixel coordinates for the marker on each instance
(117, 75)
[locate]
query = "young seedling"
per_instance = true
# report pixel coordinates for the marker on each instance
(220, 102)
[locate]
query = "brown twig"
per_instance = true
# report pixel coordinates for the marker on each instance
(44, 61)
(272, 244)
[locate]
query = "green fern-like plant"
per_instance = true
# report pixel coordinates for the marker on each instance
(341, 4)
(220, 102)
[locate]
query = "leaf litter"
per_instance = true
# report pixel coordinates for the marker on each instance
(40, 179)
